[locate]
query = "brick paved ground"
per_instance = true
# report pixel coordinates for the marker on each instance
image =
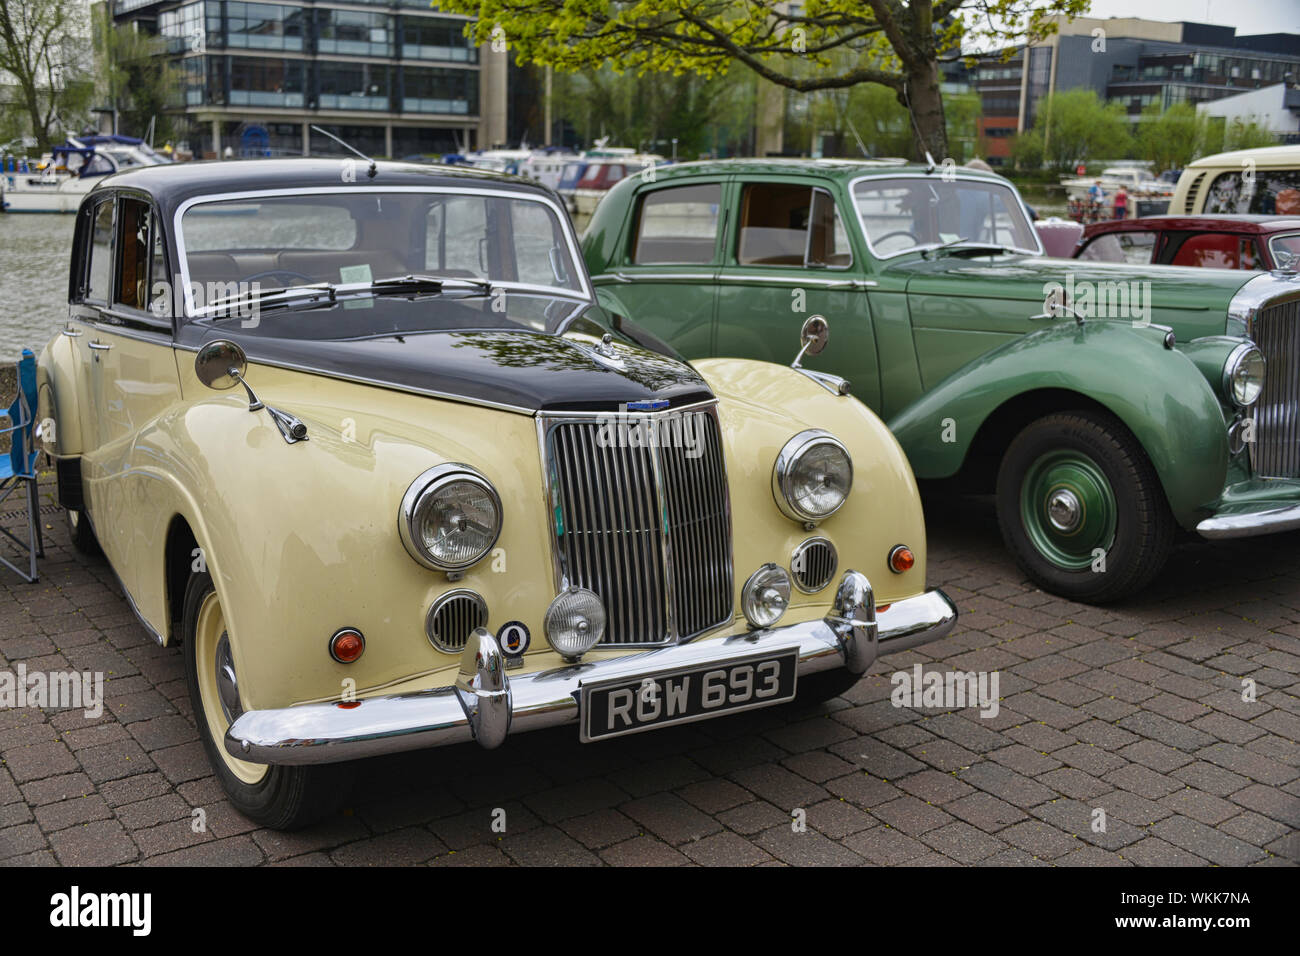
(1136, 711)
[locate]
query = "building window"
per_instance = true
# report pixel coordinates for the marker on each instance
(433, 90)
(264, 26)
(428, 38)
(354, 33)
(267, 82)
(354, 86)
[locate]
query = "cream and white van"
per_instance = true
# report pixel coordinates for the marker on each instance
(1261, 181)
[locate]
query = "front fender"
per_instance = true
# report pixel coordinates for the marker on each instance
(1158, 393)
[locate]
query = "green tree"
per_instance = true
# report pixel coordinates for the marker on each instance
(817, 45)
(135, 80)
(1247, 134)
(42, 47)
(1077, 126)
(1027, 151)
(1172, 138)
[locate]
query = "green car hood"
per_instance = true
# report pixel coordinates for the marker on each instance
(998, 293)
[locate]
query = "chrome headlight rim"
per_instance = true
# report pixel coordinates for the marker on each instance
(768, 570)
(1236, 358)
(421, 491)
(788, 457)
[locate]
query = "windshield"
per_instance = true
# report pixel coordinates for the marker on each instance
(902, 214)
(348, 237)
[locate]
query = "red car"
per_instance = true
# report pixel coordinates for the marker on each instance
(1212, 242)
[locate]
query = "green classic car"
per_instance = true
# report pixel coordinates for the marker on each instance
(1106, 405)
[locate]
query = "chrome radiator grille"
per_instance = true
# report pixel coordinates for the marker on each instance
(647, 527)
(1275, 452)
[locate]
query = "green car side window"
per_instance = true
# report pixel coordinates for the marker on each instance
(678, 226)
(791, 225)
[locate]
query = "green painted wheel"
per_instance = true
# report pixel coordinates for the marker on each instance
(1068, 508)
(1081, 507)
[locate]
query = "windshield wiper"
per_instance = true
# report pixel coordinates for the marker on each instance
(963, 243)
(273, 298)
(430, 285)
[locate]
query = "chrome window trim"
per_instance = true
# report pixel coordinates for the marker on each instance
(546, 421)
(566, 226)
(1275, 238)
(793, 281)
(866, 237)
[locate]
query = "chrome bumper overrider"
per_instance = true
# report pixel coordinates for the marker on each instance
(486, 705)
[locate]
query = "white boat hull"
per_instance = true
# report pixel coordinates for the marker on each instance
(23, 192)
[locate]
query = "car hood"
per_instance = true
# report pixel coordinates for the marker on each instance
(1193, 302)
(523, 370)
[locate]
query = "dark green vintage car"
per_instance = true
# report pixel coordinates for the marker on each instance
(1105, 404)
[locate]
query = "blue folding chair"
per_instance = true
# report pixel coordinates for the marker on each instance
(18, 470)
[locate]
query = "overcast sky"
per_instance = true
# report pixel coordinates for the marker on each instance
(1248, 16)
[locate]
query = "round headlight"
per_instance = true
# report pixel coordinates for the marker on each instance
(766, 595)
(450, 517)
(1243, 375)
(812, 476)
(575, 622)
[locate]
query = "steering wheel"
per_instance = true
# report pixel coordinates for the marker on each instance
(311, 280)
(897, 232)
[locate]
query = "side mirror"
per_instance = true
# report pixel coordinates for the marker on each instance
(220, 365)
(813, 337)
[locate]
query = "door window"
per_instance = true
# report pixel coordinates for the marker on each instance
(1215, 251)
(678, 226)
(101, 253)
(133, 267)
(784, 225)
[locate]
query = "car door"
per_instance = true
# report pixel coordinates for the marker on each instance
(133, 381)
(788, 256)
(666, 279)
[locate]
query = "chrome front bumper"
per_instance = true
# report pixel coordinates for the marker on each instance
(486, 705)
(1247, 524)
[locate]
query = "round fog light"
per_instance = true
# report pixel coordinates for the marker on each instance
(575, 622)
(766, 595)
(347, 645)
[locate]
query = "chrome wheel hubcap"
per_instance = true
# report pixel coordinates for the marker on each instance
(1064, 510)
(227, 686)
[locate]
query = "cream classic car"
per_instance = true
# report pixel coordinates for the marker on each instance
(360, 441)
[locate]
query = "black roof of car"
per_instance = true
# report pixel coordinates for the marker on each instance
(173, 183)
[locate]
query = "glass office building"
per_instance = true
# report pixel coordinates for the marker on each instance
(392, 77)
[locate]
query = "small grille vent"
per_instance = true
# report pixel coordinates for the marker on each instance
(453, 618)
(813, 564)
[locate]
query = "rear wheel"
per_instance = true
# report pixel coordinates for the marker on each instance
(1081, 507)
(280, 797)
(82, 535)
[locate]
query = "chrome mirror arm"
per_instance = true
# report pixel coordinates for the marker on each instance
(292, 428)
(254, 403)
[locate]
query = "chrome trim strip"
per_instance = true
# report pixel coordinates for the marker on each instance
(794, 281)
(482, 701)
(852, 184)
(1268, 521)
(566, 225)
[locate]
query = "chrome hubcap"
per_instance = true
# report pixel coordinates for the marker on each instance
(227, 686)
(1064, 510)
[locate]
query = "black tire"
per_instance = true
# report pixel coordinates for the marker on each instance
(81, 533)
(825, 685)
(1143, 527)
(286, 798)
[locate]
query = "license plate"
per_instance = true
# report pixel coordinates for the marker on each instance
(632, 705)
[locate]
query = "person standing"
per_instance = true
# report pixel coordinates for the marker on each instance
(1121, 203)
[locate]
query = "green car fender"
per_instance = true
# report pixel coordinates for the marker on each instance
(1158, 393)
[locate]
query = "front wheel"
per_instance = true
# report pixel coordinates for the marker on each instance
(1081, 507)
(280, 797)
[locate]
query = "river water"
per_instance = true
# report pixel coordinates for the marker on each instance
(33, 280)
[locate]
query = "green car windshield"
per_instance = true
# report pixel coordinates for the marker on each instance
(921, 212)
